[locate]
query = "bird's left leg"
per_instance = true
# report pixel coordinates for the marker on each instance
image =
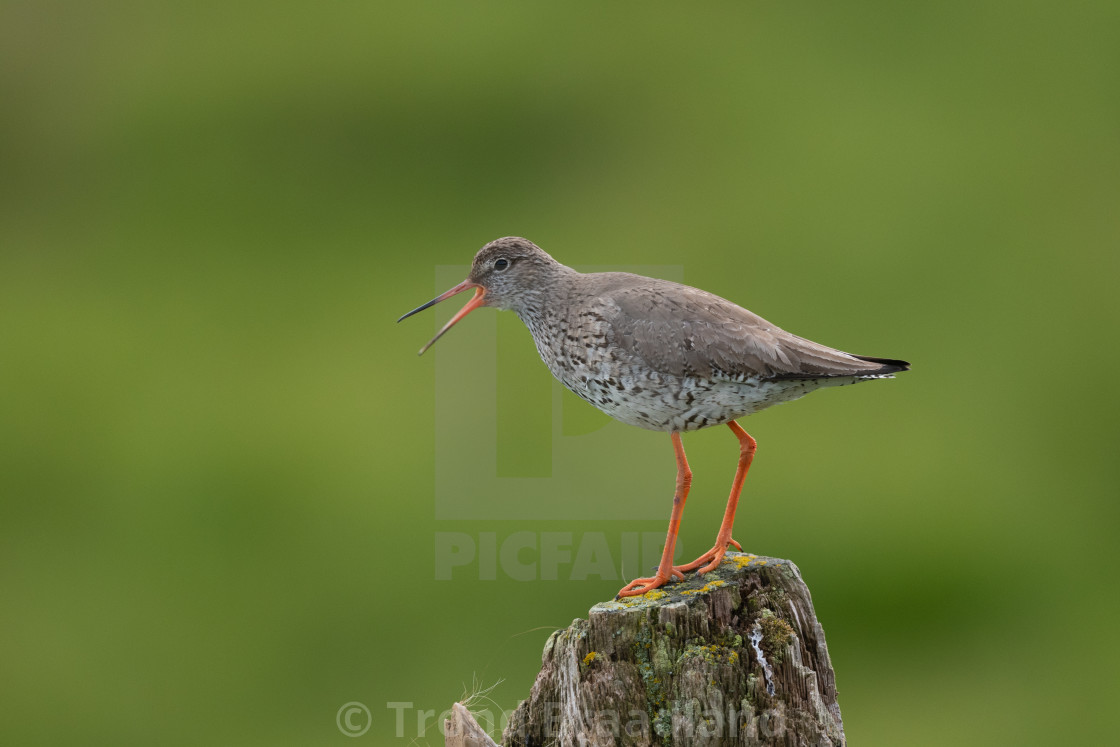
(712, 558)
(665, 570)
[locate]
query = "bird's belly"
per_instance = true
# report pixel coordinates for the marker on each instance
(670, 403)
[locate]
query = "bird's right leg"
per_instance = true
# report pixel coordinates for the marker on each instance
(665, 571)
(712, 558)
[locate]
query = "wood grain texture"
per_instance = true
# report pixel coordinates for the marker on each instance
(735, 657)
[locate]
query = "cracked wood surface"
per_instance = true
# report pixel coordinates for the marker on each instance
(734, 657)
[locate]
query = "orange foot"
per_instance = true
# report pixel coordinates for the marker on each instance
(642, 585)
(712, 557)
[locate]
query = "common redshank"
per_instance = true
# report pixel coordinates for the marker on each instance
(658, 355)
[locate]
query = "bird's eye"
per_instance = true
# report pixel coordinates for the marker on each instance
(501, 263)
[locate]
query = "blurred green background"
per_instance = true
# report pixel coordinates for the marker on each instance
(217, 520)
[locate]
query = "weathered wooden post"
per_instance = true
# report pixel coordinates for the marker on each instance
(735, 657)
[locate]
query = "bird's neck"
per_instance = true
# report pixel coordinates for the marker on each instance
(537, 305)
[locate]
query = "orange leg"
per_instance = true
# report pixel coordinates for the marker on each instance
(713, 557)
(665, 570)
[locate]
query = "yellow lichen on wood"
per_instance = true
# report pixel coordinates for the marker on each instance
(706, 587)
(742, 561)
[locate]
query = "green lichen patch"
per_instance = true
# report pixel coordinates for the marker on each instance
(653, 669)
(649, 599)
(710, 653)
(772, 597)
(776, 634)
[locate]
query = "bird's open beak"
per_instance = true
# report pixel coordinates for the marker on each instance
(470, 306)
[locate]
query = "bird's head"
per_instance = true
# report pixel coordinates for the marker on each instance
(507, 273)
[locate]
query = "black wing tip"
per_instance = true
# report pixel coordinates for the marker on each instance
(886, 368)
(889, 365)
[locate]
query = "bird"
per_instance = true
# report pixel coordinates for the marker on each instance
(658, 355)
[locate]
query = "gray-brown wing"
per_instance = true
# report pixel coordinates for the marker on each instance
(685, 331)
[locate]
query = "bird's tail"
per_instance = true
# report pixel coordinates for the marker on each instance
(889, 365)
